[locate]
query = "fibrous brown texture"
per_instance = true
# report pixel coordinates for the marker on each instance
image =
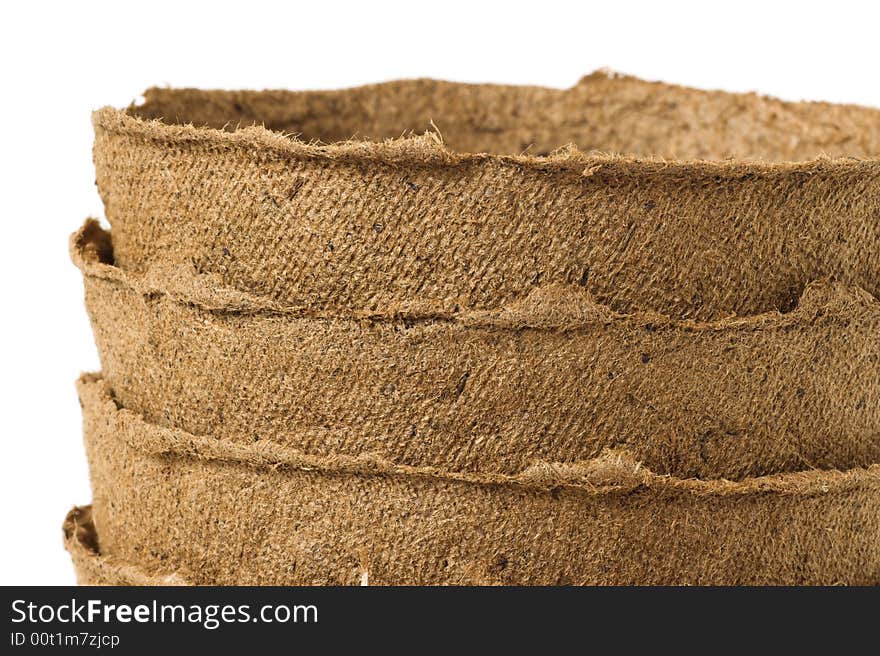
(93, 568)
(413, 227)
(473, 358)
(209, 511)
(604, 111)
(554, 377)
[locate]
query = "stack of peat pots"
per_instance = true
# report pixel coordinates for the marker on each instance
(337, 353)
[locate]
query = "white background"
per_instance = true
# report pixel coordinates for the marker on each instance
(61, 61)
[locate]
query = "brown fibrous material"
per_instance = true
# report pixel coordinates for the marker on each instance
(208, 511)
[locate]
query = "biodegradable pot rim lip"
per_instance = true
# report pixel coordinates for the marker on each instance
(81, 541)
(91, 253)
(591, 477)
(427, 149)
